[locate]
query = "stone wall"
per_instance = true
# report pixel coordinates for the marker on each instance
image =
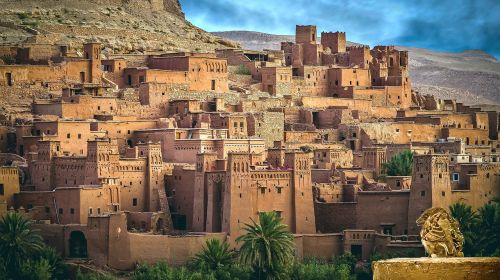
(437, 268)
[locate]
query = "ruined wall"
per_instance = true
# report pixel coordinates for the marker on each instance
(266, 125)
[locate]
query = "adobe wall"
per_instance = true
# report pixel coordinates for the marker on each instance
(335, 217)
(400, 133)
(200, 71)
(471, 136)
(9, 179)
(323, 246)
(324, 102)
(390, 208)
(122, 130)
(175, 250)
(477, 184)
(180, 185)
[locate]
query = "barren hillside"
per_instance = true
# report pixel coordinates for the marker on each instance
(123, 25)
(472, 77)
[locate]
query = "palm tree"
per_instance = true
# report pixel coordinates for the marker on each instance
(267, 246)
(467, 220)
(18, 242)
(215, 255)
(488, 228)
(400, 164)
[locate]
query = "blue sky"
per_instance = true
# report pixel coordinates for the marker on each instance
(447, 25)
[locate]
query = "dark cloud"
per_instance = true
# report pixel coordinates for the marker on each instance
(448, 25)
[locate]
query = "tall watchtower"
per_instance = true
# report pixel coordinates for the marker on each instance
(204, 162)
(92, 52)
(303, 202)
(155, 175)
(238, 208)
(44, 167)
(305, 34)
(334, 40)
(430, 186)
(102, 160)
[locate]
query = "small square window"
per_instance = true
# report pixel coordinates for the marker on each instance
(61, 211)
(422, 193)
(68, 135)
(72, 211)
(134, 202)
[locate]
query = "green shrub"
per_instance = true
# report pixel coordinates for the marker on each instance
(318, 271)
(91, 276)
(22, 16)
(35, 270)
(242, 70)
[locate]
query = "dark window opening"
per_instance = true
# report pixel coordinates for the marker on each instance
(8, 77)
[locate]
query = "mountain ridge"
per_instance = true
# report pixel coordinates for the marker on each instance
(126, 26)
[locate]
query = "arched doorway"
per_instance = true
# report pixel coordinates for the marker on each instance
(77, 245)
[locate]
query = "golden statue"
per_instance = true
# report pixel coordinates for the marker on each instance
(440, 233)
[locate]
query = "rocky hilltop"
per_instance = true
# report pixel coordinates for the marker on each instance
(122, 25)
(472, 77)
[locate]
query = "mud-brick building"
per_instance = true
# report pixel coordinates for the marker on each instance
(99, 182)
(9, 186)
(221, 195)
(86, 69)
(200, 72)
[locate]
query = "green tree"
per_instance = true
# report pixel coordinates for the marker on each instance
(399, 165)
(467, 220)
(488, 230)
(481, 229)
(267, 246)
(216, 255)
(18, 242)
(55, 261)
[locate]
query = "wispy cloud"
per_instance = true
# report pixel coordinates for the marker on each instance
(449, 25)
